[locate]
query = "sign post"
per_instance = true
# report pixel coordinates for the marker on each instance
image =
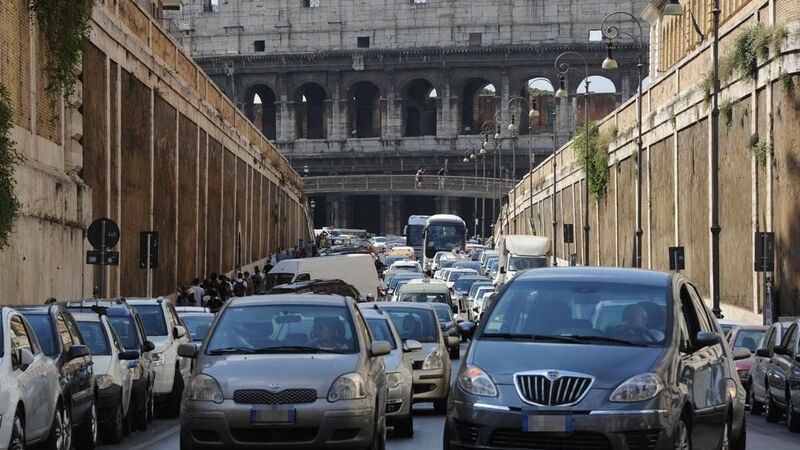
(103, 235)
(765, 262)
(677, 259)
(148, 256)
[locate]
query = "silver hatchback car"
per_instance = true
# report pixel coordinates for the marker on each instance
(286, 371)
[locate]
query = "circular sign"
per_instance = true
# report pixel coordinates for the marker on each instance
(96, 235)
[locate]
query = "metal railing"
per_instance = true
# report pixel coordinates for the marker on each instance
(429, 184)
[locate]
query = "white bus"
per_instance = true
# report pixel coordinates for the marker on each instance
(443, 233)
(414, 231)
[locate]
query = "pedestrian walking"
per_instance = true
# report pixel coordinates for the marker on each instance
(185, 297)
(418, 177)
(240, 286)
(441, 174)
(198, 292)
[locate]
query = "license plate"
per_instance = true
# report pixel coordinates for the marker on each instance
(547, 423)
(273, 414)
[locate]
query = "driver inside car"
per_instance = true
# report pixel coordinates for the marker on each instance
(634, 326)
(328, 334)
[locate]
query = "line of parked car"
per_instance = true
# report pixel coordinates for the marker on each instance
(78, 373)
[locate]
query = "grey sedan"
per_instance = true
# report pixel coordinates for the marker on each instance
(286, 371)
(597, 358)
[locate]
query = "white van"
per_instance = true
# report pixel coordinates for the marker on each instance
(520, 252)
(357, 270)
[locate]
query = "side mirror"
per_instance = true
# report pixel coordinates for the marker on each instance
(380, 348)
(411, 345)
(453, 341)
(149, 346)
(79, 351)
(187, 351)
(129, 355)
(178, 332)
(466, 329)
(763, 353)
(781, 350)
(741, 353)
(25, 359)
(707, 339)
(453, 332)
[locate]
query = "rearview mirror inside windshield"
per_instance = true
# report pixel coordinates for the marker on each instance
(288, 318)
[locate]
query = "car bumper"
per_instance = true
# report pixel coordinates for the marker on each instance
(228, 425)
(430, 385)
(479, 426)
(108, 400)
(398, 402)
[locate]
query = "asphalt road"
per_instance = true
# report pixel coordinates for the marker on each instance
(163, 434)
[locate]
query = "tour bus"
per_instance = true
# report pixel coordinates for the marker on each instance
(413, 232)
(443, 233)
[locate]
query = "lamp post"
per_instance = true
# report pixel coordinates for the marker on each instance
(563, 69)
(306, 169)
(612, 33)
(486, 133)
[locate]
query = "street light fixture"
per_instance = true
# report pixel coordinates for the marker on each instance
(306, 169)
(673, 8)
(613, 33)
(561, 92)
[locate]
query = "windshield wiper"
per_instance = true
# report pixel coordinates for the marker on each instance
(609, 340)
(220, 351)
(533, 337)
(296, 349)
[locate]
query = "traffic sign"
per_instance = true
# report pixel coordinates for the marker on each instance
(764, 251)
(677, 260)
(148, 249)
(103, 234)
(102, 258)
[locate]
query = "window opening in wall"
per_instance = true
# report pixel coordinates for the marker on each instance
(475, 39)
(539, 93)
(210, 5)
(311, 3)
(421, 102)
(310, 114)
(363, 42)
(365, 110)
(259, 46)
(261, 110)
(478, 105)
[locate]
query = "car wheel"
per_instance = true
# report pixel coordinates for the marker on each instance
(725, 442)
(756, 407)
(773, 414)
(173, 407)
(143, 414)
(683, 439)
(184, 445)
(128, 424)
(17, 440)
(455, 353)
(151, 406)
(60, 437)
(792, 418)
(379, 437)
(741, 442)
(405, 427)
(440, 406)
(87, 436)
(114, 433)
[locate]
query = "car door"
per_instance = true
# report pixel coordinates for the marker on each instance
(781, 365)
(701, 373)
(123, 367)
(35, 392)
(374, 366)
(793, 378)
(81, 368)
(758, 379)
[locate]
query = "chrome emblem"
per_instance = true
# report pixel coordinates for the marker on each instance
(553, 374)
(274, 388)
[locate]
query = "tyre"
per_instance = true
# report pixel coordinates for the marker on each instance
(142, 414)
(151, 406)
(17, 440)
(404, 427)
(792, 417)
(126, 429)
(682, 437)
(87, 436)
(454, 352)
(440, 406)
(756, 407)
(773, 412)
(725, 442)
(741, 442)
(113, 433)
(60, 437)
(172, 408)
(379, 437)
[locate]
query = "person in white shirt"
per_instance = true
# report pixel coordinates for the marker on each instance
(197, 291)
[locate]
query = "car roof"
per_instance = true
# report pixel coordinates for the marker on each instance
(302, 299)
(86, 317)
(298, 285)
(34, 309)
(111, 307)
(405, 305)
(145, 301)
(598, 274)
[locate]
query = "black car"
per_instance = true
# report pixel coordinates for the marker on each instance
(61, 340)
(127, 323)
(334, 287)
(783, 379)
(595, 357)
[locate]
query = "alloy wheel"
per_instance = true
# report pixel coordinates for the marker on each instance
(682, 436)
(63, 430)
(17, 441)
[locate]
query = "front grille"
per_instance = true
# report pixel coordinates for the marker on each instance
(273, 435)
(467, 433)
(642, 440)
(417, 365)
(552, 388)
(516, 438)
(263, 397)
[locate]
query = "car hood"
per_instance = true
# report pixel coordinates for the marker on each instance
(102, 364)
(427, 347)
(609, 364)
(297, 371)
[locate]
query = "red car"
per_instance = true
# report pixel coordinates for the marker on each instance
(749, 337)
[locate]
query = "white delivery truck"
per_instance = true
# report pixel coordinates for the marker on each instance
(357, 270)
(520, 252)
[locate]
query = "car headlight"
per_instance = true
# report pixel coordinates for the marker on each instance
(349, 386)
(473, 380)
(158, 359)
(733, 391)
(637, 389)
(204, 388)
(434, 360)
(392, 380)
(104, 381)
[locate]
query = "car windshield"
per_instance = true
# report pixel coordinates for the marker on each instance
(381, 331)
(43, 328)
(285, 328)
(152, 319)
(95, 338)
(417, 324)
(492, 263)
(464, 284)
(379, 240)
(749, 339)
(424, 297)
(474, 265)
(527, 262)
(198, 325)
(446, 263)
(444, 237)
(443, 312)
(123, 326)
(593, 312)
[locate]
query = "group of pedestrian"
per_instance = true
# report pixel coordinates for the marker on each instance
(440, 174)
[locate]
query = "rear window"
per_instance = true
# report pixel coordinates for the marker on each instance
(749, 339)
(198, 326)
(381, 331)
(277, 279)
(126, 333)
(443, 312)
(424, 297)
(95, 337)
(152, 319)
(417, 324)
(43, 328)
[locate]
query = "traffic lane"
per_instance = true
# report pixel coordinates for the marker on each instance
(770, 436)
(160, 435)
